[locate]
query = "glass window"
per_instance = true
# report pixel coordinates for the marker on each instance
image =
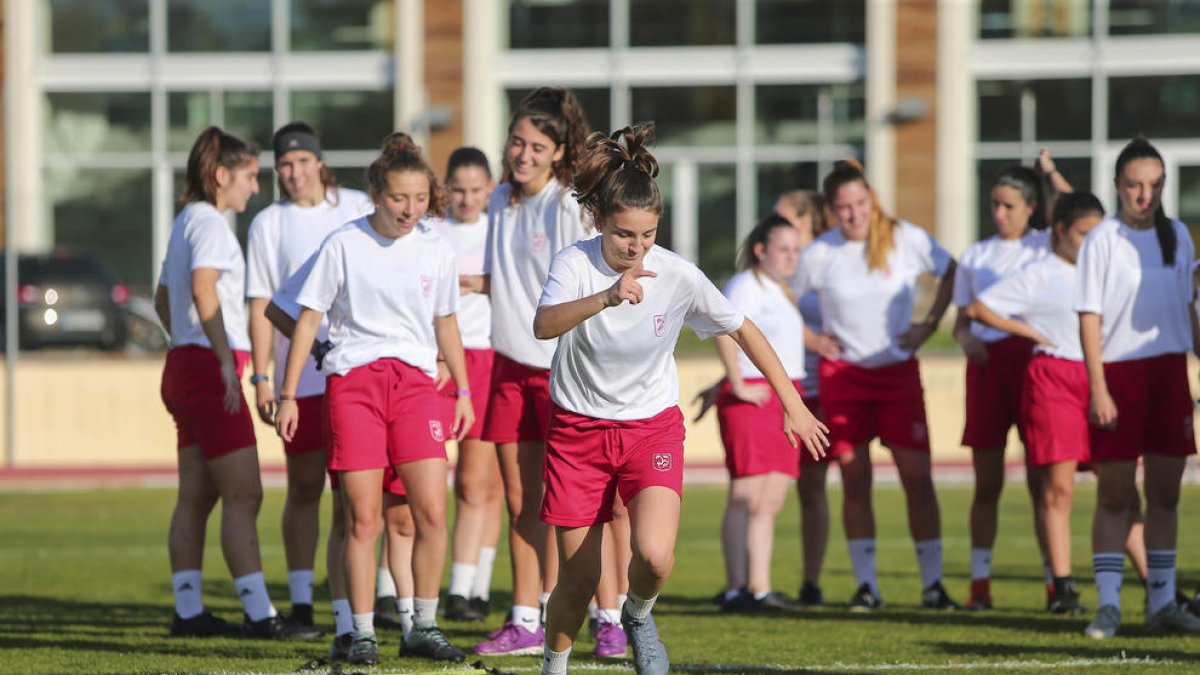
(1063, 109)
(595, 104)
(809, 21)
(188, 113)
(999, 111)
(787, 114)
(219, 25)
(1189, 198)
(107, 213)
(666, 189)
(1035, 18)
(248, 116)
(717, 215)
(351, 177)
(347, 120)
(1077, 171)
(1156, 106)
(535, 24)
(688, 115)
(776, 179)
(849, 112)
(99, 26)
(89, 123)
(681, 23)
(332, 25)
(1143, 17)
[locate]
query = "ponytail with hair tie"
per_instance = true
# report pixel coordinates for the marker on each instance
(617, 173)
(399, 153)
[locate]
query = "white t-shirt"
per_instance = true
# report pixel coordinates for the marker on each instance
(469, 241)
(988, 261)
(522, 240)
(1042, 294)
(764, 302)
(1143, 305)
(201, 238)
(810, 312)
(282, 237)
(620, 363)
(382, 295)
(867, 310)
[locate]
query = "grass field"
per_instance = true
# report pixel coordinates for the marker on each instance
(84, 587)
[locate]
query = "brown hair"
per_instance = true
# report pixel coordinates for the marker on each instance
(807, 203)
(213, 149)
(761, 234)
(881, 231)
(555, 112)
(617, 173)
(1069, 208)
(328, 179)
(1164, 229)
(400, 153)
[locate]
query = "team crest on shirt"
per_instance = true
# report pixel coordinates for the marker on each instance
(660, 325)
(539, 241)
(662, 461)
(426, 285)
(435, 430)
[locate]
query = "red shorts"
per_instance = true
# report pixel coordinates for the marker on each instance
(310, 432)
(479, 374)
(381, 414)
(519, 405)
(753, 436)
(195, 396)
(1154, 410)
(392, 483)
(814, 406)
(588, 460)
(1054, 411)
(994, 393)
(862, 403)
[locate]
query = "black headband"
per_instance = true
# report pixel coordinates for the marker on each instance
(296, 140)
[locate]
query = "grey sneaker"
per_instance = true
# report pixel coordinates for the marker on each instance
(431, 643)
(340, 649)
(364, 649)
(1106, 623)
(649, 652)
(1173, 618)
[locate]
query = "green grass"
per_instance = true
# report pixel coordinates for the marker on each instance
(84, 587)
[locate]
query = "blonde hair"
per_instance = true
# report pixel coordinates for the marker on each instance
(881, 230)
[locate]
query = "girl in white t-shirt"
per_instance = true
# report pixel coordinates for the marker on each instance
(199, 300)
(390, 287)
(1035, 303)
(531, 216)
(616, 303)
(1133, 293)
(865, 273)
(282, 237)
(762, 464)
(996, 360)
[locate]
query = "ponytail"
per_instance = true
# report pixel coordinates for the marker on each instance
(881, 231)
(400, 153)
(213, 149)
(616, 173)
(1140, 148)
(555, 112)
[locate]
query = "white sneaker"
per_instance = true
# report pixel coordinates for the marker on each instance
(1174, 618)
(1106, 623)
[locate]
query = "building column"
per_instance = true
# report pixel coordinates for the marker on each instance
(481, 92)
(956, 105)
(881, 100)
(408, 53)
(26, 227)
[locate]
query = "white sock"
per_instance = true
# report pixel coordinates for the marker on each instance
(425, 612)
(364, 623)
(385, 585)
(637, 607)
(981, 563)
(481, 586)
(1108, 568)
(929, 555)
(862, 559)
(593, 610)
(186, 585)
(252, 589)
(343, 621)
(545, 602)
(1160, 579)
(462, 576)
(405, 609)
(300, 586)
(621, 598)
(526, 617)
(612, 616)
(555, 663)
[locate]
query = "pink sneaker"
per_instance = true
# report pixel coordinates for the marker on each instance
(611, 641)
(512, 640)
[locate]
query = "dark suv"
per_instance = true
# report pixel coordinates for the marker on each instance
(67, 299)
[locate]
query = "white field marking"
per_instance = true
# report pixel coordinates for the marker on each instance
(839, 667)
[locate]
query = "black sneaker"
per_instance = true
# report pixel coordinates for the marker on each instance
(742, 603)
(1191, 605)
(364, 649)
(1066, 600)
(458, 608)
(481, 607)
(203, 624)
(386, 614)
(774, 602)
(277, 628)
(810, 595)
(936, 597)
(340, 649)
(864, 600)
(430, 642)
(302, 615)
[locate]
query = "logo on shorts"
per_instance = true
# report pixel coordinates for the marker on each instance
(426, 285)
(662, 461)
(435, 430)
(660, 325)
(539, 241)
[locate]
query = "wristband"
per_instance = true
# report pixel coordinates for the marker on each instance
(287, 397)
(464, 392)
(256, 378)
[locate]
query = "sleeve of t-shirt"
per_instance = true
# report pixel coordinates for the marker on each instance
(1089, 274)
(932, 258)
(213, 245)
(711, 313)
(261, 260)
(805, 279)
(962, 280)
(325, 279)
(285, 296)
(494, 214)
(745, 292)
(446, 302)
(1012, 295)
(562, 282)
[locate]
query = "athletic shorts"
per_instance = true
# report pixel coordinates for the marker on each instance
(519, 405)
(753, 435)
(994, 393)
(864, 403)
(381, 414)
(1054, 411)
(1154, 410)
(479, 374)
(589, 460)
(832, 452)
(310, 434)
(194, 394)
